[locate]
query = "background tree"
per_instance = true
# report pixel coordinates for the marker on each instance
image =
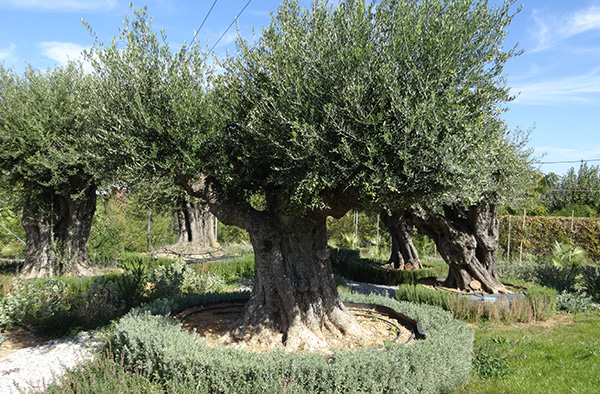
(404, 254)
(332, 109)
(466, 231)
(576, 193)
(45, 129)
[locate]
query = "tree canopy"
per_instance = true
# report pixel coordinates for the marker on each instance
(399, 100)
(46, 132)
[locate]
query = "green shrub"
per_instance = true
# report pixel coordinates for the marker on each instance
(542, 301)
(32, 301)
(10, 250)
(156, 346)
(590, 278)
(559, 278)
(131, 284)
(573, 302)
(179, 278)
(100, 304)
(512, 269)
(230, 270)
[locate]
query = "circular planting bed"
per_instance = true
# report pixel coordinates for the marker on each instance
(211, 322)
(149, 340)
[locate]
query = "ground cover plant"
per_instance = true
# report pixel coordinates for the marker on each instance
(53, 307)
(562, 356)
(154, 350)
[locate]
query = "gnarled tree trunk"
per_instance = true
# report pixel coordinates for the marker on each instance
(196, 226)
(404, 254)
(57, 229)
(467, 239)
(294, 301)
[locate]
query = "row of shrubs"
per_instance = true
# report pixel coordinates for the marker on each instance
(54, 306)
(349, 264)
(538, 305)
(150, 342)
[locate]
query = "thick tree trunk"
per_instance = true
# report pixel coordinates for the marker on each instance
(294, 301)
(196, 226)
(183, 235)
(57, 229)
(467, 239)
(404, 254)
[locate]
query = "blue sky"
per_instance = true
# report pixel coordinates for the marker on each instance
(556, 80)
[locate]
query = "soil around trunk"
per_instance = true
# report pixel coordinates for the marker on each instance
(213, 322)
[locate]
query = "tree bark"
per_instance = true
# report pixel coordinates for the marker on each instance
(294, 300)
(57, 229)
(196, 226)
(404, 255)
(467, 239)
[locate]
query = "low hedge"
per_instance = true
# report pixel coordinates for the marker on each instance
(538, 305)
(535, 232)
(151, 342)
(349, 264)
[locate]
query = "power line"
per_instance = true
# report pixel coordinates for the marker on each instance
(229, 27)
(567, 161)
(205, 18)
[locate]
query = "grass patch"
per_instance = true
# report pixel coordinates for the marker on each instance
(560, 357)
(230, 270)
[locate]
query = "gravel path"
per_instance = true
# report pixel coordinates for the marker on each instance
(32, 368)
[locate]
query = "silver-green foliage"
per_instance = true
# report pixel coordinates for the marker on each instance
(157, 346)
(395, 98)
(32, 301)
(179, 278)
(574, 302)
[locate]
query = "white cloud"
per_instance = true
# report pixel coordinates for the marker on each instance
(62, 52)
(61, 5)
(551, 29)
(582, 21)
(574, 89)
(6, 52)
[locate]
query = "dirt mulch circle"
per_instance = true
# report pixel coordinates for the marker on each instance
(212, 323)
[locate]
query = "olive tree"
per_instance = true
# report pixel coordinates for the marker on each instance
(45, 129)
(404, 254)
(335, 107)
(349, 105)
(466, 230)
